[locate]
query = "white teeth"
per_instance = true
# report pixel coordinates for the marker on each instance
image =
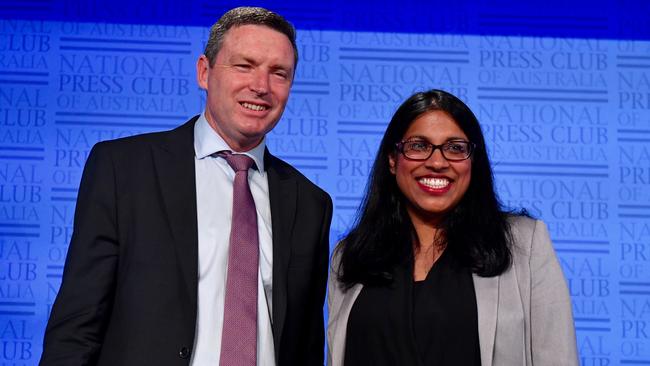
(435, 183)
(254, 107)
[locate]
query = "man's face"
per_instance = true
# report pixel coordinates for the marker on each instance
(248, 85)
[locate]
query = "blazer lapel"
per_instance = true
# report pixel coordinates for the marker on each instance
(174, 164)
(282, 196)
(337, 324)
(487, 298)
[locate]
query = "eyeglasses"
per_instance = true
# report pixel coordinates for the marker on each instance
(419, 150)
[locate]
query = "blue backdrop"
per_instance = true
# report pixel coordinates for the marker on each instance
(562, 91)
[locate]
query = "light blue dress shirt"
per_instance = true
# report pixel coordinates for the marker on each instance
(214, 185)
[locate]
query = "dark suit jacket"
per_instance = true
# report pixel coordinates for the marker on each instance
(129, 290)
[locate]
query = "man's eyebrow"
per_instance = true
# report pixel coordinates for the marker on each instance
(281, 67)
(240, 58)
(252, 61)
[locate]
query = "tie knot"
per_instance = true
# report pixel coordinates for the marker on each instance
(238, 162)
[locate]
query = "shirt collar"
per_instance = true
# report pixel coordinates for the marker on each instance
(207, 142)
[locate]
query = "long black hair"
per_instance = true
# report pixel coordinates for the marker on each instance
(476, 231)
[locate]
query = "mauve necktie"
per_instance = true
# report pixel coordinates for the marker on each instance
(239, 333)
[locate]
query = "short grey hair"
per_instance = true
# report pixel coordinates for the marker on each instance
(247, 15)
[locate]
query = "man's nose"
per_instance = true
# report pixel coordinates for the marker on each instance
(260, 82)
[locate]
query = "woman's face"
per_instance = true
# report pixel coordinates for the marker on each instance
(433, 187)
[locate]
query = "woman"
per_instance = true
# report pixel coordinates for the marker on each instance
(435, 272)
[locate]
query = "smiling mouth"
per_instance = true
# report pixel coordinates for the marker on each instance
(253, 107)
(434, 183)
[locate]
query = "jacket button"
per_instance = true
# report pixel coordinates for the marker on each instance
(184, 353)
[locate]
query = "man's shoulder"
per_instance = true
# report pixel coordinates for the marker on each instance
(287, 171)
(182, 134)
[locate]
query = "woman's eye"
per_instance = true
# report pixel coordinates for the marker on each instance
(419, 146)
(456, 147)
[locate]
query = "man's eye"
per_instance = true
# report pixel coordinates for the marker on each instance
(281, 74)
(242, 67)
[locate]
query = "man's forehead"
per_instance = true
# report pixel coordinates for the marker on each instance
(233, 49)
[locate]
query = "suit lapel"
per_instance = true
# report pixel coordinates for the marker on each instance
(282, 196)
(487, 299)
(337, 324)
(174, 164)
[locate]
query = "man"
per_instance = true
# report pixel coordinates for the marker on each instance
(145, 281)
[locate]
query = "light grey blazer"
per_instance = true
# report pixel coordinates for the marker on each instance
(524, 315)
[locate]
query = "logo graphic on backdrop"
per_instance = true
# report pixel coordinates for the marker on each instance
(567, 123)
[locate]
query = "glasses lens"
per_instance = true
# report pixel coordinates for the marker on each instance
(456, 150)
(416, 149)
(422, 150)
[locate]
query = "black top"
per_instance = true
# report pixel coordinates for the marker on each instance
(432, 322)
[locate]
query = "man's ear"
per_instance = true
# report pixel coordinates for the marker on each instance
(202, 71)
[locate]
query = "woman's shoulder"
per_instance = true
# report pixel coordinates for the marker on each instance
(335, 256)
(527, 232)
(522, 222)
